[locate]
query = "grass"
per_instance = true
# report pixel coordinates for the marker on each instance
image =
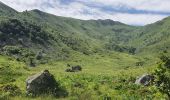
(103, 77)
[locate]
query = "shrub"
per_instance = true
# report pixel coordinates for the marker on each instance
(162, 75)
(12, 50)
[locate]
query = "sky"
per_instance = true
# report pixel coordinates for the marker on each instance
(132, 12)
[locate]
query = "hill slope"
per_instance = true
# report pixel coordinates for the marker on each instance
(153, 38)
(36, 30)
(6, 10)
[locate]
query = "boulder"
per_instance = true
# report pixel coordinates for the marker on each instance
(43, 82)
(145, 80)
(74, 69)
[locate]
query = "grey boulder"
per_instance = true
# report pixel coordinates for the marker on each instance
(43, 82)
(145, 80)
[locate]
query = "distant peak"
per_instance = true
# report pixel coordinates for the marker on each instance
(37, 11)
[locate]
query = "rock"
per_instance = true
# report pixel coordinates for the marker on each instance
(145, 80)
(74, 69)
(43, 82)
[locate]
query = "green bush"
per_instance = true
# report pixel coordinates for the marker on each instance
(162, 75)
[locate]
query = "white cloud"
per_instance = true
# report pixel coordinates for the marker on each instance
(22, 5)
(138, 19)
(152, 5)
(133, 19)
(80, 9)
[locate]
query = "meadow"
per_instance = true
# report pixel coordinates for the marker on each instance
(104, 77)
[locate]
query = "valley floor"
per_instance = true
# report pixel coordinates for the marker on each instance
(102, 77)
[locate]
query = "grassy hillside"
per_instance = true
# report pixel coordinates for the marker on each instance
(6, 10)
(36, 31)
(97, 32)
(153, 38)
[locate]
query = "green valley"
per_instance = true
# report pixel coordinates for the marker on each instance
(112, 55)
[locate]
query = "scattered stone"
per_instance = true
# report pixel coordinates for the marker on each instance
(145, 80)
(43, 83)
(74, 69)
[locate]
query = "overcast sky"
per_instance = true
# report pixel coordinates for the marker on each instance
(133, 12)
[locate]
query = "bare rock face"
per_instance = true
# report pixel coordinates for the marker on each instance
(145, 80)
(43, 82)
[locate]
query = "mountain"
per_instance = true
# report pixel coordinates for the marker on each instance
(98, 32)
(153, 38)
(61, 36)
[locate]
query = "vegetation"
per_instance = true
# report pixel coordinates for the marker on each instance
(162, 74)
(92, 81)
(111, 55)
